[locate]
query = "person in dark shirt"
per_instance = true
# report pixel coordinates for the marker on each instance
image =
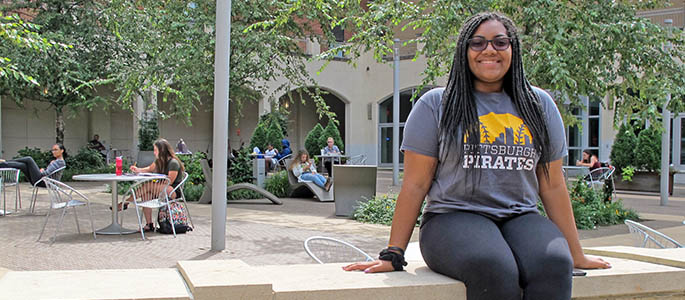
(95, 144)
(165, 163)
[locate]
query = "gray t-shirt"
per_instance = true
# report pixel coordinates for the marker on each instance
(505, 183)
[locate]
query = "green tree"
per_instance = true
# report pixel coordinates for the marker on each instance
(148, 133)
(574, 48)
(277, 116)
(19, 33)
(331, 130)
(623, 149)
(274, 135)
(259, 137)
(648, 149)
(311, 142)
(171, 45)
(61, 73)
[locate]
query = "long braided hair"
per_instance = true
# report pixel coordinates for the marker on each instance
(460, 115)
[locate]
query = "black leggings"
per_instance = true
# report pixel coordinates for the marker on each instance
(525, 257)
(27, 166)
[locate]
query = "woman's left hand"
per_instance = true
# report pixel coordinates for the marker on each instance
(591, 262)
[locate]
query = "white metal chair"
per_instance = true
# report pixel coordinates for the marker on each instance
(600, 177)
(64, 197)
(10, 177)
(182, 196)
(148, 193)
(649, 238)
(281, 163)
(359, 159)
(56, 175)
(330, 250)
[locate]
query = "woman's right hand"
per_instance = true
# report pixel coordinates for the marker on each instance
(134, 169)
(375, 266)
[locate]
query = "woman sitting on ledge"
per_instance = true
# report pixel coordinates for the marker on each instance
(304, 170)
(29, 167)
(482, 152)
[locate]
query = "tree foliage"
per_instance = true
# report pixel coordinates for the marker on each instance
(623, 150)
(16, 32)
(274, 135)
(170, 48)
(61, 73)
(311, 142)
(258, 138)
(574, 48)
(648, 150)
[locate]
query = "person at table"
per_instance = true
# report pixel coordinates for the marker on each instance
(270, 155)
(285, 150)
(589, 160)
(305, 170)
(29, 167)
(482, 152)
(165, 163)
(330, 149)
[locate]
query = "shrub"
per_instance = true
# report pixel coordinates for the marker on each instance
(379, 210)
(147, 134)
(648, 150)
(274, 135)
(41, 158)
(193, 167)
(192, 191)
(623, 150)
(241, 168)
(280, 118)
(85, 159)
(590, 210)
(311, 142)
(258, 137)
(331, 130)
(278, 184)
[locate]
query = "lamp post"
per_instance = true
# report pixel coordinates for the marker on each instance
(220, 136)
(666, 119)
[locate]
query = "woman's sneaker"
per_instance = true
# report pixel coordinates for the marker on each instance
(328, 184)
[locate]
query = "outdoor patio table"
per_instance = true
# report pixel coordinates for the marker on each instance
(332, 157)
(115, 227)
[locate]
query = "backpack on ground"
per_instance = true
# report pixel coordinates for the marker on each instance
(178, 218)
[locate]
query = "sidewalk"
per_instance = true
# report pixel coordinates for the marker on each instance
(258, 232)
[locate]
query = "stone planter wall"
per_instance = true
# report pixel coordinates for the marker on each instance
(643, 182)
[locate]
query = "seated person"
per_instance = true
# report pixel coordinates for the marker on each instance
(286, 150)
(182, 148)
(270, 155)
(589, 160)
(330, 149)
(305, 170)
(95, 144)
(29, 167)
(165, 163)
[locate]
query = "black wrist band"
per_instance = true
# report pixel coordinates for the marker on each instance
(395, 258)
(396, 249)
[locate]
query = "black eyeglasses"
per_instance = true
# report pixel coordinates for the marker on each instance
(499, 43)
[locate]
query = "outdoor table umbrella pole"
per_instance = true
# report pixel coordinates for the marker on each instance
(220, 135)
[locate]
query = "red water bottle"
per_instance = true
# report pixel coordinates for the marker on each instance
(119, 165)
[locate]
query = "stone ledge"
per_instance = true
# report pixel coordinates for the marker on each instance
(94, 284)
(233, 279)
(669, 257)
(215, 279)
